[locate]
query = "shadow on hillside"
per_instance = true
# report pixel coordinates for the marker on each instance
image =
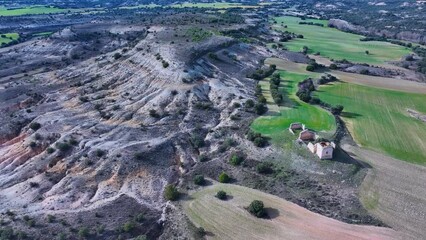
(272, 213)
(350, 115)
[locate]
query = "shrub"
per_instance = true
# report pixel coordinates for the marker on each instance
(249, 103)
(35, 126)
(33, 144)
(129, 226)
(140, 217)
(153, 113)
(99, 152)
(203, 158)
(221, 195)
(83, 232)
(50, 218)
(224, 178)
(264, 168)
(50, 150)
(165, 64)
(141, 237)
(199, 180)
(236, 105)
(213, 55)
(63, 146)
(34, 184)
(257, 208)
(197, 141)
(235, 159)
(201, 232)
(364, 71)
(171, 193)
(139, 155)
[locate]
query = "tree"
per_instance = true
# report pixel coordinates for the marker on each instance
(333, 66)
(117, 56)
(310, 68)
(337, 110)
(257, 208)
(171, 193)
(221, 195)
(35, 126)
(367, 52)
(260, 108)
(199, 180)
(224, 178)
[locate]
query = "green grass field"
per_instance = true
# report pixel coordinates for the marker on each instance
(336, 44)
(8, 37)
(33, 10)
(293, 110)
(378, 119)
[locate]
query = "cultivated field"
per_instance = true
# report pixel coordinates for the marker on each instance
(8, 37)
(229, 220)
(292, 110)
(372, 81)
(378, 119)
(336, 44)
(216, 5)
(33, 10)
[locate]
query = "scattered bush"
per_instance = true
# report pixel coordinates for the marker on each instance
(224, 178)
(199, 180)
(171, 193)
(257, 208)
(221, 195)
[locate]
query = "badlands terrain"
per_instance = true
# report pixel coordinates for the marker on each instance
(124, 120)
